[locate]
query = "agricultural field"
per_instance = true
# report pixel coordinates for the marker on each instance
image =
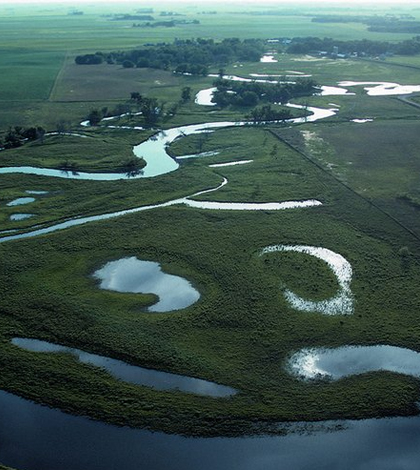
(236, 213)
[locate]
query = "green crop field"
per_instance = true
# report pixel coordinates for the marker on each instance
(242, 330)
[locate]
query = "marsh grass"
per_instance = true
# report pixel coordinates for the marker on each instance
(242, 330)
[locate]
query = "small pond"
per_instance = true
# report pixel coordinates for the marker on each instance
(16, 217)
(351, 360)
(146, 277)
(268, 58)
(20, 201)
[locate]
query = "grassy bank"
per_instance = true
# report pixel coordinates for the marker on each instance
(242, 330)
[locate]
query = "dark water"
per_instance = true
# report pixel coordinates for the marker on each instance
(33, 437)
(129, 373)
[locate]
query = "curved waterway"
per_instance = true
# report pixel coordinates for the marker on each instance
(186, 201)
(353, 360)
(34, 437)
(153, 150)
(129, 373)
(383, 88)
(342, 302)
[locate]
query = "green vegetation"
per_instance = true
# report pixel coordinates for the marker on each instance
(387, 24)
(102, 151)
(242, 330)
(251, 93)
(376, 159)
(18, 136)
(356, 47)
(183, 56)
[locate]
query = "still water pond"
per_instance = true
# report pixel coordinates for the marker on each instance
(15, 217)
(20, 201)
(351, 360)
(33, 437)
(129, 373)
(146, 277)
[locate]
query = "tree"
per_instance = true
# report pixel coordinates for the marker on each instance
(62, 126)
(127, 64)
(151, 111)
(186, 94)
(135, 96)
(95, 117)
(33, 133)
(250, 98)
(12, 139)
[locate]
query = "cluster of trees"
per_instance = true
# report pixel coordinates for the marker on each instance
(362, 47)
(90, 59)
(166, 24)
(96, 115)
(124, 17)
(17, 136)
(267, 113)
(251, 93)
(412, 27)
(151, 109)
(192, 56)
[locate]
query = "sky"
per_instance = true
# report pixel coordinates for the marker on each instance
(138, 3)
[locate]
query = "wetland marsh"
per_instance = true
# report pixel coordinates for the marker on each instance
(193, 295)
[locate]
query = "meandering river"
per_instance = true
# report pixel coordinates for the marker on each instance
(34, 437)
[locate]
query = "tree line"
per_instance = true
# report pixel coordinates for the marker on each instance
(362, 47)
(152, 111)
(17, 136)
(192, 56)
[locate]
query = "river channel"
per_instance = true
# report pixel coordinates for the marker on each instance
(34, 437)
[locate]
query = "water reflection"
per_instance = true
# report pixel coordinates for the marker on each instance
(20, 201)
(342, 302)
(252, 206)
(269, 58)
(33, 437)
(153, 150)
(129, 373)
(238, 162)
(384, 88)
(146, 277)
(15, 217)
(351, 360)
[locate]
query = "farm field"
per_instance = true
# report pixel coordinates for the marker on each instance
(248, 213)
